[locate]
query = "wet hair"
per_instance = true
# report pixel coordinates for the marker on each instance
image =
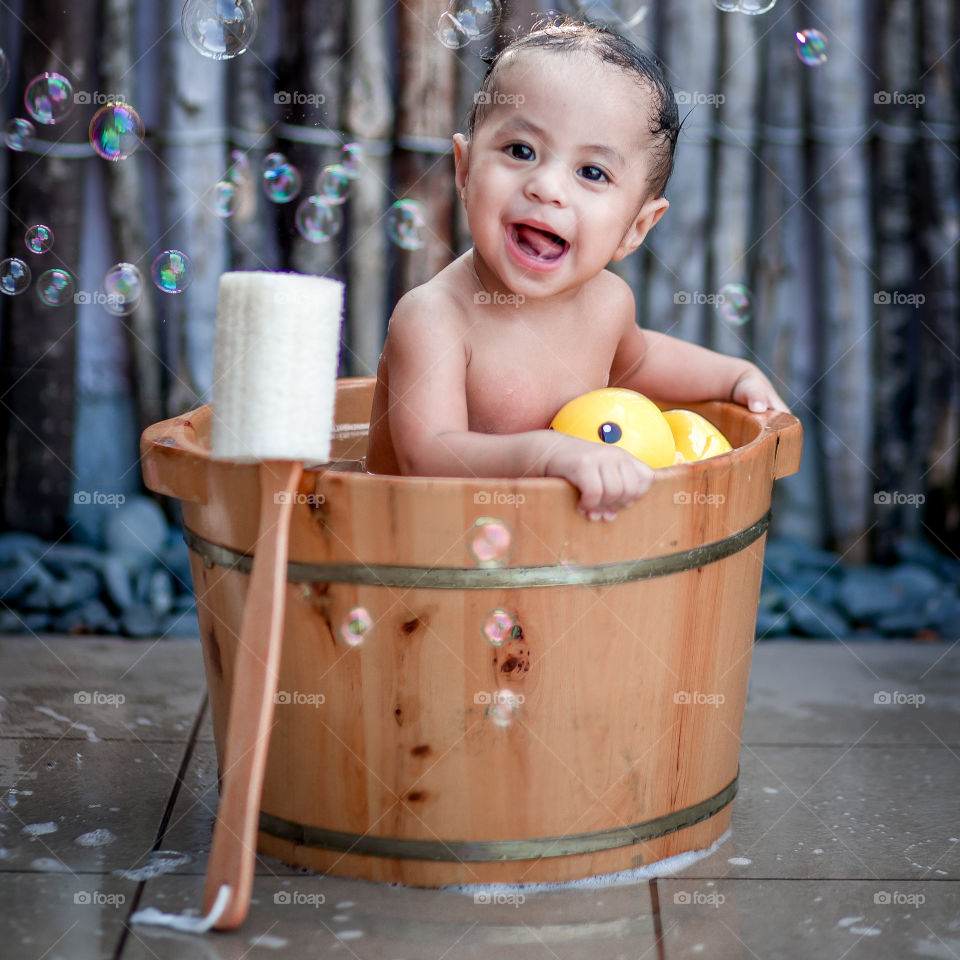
(564, 34)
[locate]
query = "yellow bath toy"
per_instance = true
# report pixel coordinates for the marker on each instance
(620, 417)
(695, 437)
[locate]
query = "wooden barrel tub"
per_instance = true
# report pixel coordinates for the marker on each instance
(478, 684)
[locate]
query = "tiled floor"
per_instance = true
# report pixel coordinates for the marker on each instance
(845, 840)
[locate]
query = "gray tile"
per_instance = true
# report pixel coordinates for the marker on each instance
(867, 813)
(68, 806)
(121, 689)
(62, 917)
(315, 916)
(854, 692)
(828, 920)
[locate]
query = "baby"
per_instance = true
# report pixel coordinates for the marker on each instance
(569, 147)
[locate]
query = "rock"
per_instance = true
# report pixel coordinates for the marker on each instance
(815, 619)
(13, 545)
(155, 589)
(79, 585)
(914, 583)
(902, 623)
(139, 621)
(116, 578)
(864, 593)
(138, 530)
(18, 577)
(772, 624)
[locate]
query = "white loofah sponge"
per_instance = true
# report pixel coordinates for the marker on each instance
(275, 366)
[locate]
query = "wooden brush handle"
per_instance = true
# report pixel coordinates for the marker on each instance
(234, 847)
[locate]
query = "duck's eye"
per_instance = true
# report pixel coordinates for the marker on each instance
(609, 432)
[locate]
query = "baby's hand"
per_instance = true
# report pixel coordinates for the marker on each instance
(755, 392)
(607, 477)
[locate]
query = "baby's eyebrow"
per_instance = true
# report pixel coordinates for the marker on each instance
(600, 148)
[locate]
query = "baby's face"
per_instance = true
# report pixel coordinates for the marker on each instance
(555, 179)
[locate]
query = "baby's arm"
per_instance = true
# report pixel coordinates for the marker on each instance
(675, 371)
(426, 354)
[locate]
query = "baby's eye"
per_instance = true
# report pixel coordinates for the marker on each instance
(520, 151)
(594, 173)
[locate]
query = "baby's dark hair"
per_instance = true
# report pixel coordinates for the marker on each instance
(561, 33)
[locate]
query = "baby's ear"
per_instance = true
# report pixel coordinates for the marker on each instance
(647, 217)
(461, 155)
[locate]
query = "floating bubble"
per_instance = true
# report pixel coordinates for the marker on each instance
(733, 304)
(450, 32)
(14, 276)
(727, 6)
(49, 98)
(123, 286)
(239, 167)
(224, 199)
(489, 542)
(351, 156)
(811, 47)
(55, 287)
(620, 13)
(499, 626)
(406, 224)
(282, 184)
(39, 238)
(317, 220)
(333, 183)
(116, 131)
(504, 707)
(17, 132)
(219, 29)
(4, 70)
(171, 271)
(466, 20)
(273, 161)
(355, 626)
(754, 8)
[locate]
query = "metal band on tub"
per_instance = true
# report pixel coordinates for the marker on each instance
(497, 578)
(396, 848)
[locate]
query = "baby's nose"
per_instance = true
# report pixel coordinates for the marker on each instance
(547, 184)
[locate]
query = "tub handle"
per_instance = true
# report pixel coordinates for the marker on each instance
(172, 463)
(789, 439)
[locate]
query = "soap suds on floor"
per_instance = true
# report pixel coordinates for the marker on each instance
(86, 728)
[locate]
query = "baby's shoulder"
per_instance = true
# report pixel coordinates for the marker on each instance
(615, 290)
(426, 317)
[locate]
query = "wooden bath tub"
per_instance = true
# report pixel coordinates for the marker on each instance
(478, 684)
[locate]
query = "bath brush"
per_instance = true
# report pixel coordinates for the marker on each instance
(275, 369)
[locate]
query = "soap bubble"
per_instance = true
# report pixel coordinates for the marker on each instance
(351, 155)
(727, 6)
(733, 304)
(755, 7)
(55, 287)
(811, 47)
(489, 542)
(466, 20)
(406, 223)
(171, 271)
(355, 626)
(281, 184)
(49, 98)
(504, 708)
(4, 70)
(116, 131)
(224, 199)
(499, 626)
(38, 238)
(123, 286)
(239, 167)
(273, 161)
(219, 29)
(318, 221)
(14, 276)
(620, 13)
(333, 184)
(17, 132)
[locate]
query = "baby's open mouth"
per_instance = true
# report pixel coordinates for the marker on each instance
(538, 243)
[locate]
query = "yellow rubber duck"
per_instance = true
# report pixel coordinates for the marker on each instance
(620, 417)
(695, 437)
